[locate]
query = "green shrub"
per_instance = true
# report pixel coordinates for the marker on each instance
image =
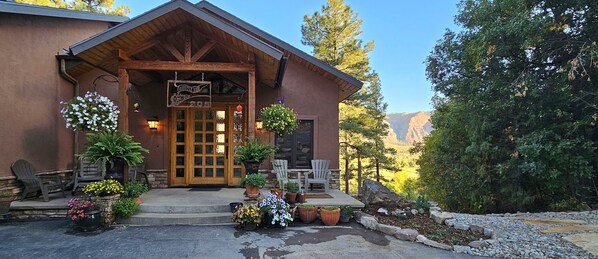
(257, 180)
(252, 150)
(125, 208)
(347, 211)
(422, 203)
(330, 208)
(292, 187)
(5, 195)
(134, 189)
(570, 204)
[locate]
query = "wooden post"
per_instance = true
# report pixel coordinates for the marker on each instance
(123, 100)
(251, 105)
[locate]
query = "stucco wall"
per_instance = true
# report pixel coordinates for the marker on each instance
(31, 127)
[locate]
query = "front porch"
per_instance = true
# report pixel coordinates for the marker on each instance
(175, 206)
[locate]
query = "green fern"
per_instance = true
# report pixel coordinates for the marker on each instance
(105, 145)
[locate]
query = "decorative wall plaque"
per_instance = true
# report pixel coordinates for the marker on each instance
(181, 93)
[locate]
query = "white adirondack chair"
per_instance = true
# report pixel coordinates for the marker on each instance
(281, 168)
(320, 172)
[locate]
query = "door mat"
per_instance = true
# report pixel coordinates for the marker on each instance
(318, 196)
(204, 189)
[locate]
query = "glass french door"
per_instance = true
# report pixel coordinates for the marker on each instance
(202, 146)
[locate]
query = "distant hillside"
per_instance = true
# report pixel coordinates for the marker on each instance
(409, 127)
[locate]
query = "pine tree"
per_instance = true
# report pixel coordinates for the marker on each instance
(94, 6)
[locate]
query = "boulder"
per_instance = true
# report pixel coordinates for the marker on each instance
(420, 238)
(383, 211)
(462, 249)
(450, 222)
(387, 229)
(477, 244)
(476, 229)
(488, 232)
(369, 222)
(435, 244)
(414, 212)
(358, 214)
(461, 226)
(406, 234)
(440, 217)
(374, 193)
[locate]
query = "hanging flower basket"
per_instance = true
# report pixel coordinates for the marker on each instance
(92, 112)
(279, 119)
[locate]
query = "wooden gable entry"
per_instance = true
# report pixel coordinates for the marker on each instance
(220, 168)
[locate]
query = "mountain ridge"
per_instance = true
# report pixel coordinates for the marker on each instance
(408, 127)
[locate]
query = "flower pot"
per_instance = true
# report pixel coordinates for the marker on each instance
(267, 222)
(251, 166)
(115, 168)
(308, 215)
(5, 205)
(234, 205)
(139, 200)
(249, 226)
(291, 197)
(278, 192)
(345, 219)
(301, 197)
(330, 217)
(252, 191)
(91, 222)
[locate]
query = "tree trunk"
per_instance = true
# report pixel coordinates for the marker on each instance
(347, 175)
(358, 174)
(377, 170)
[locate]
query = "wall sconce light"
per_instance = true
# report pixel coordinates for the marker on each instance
(259, 125)
(153, 123)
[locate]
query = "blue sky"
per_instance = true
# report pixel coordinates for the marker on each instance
(404, 33)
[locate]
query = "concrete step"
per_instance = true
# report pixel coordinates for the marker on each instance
(163, 219)
(183, 209)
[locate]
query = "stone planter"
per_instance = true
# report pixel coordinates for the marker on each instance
(91, 222)
(105, 203)
(330, 217)
(308, 215)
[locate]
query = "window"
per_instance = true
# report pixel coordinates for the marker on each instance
(297, 148)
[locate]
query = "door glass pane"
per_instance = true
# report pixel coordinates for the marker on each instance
(209, 126)
(237, 172)
(198, 115)
(209, 138)
(180, 114)
(209, 115)
(180, 149)
(209, 160)
(197, 172)
(297, 147)
(198, 138)
(220, 149)
(198, 149)
(209, 149)
(219, 172)
(198, 126)
(220, 115)
(180, 137)
(209, 172)
(220, 126)
(180, 125)
(180, 172)
(220, 138)
(197, 160)
(219, 160)
(180, 160)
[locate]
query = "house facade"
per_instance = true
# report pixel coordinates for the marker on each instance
(200, 72)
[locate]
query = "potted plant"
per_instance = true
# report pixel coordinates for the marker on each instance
(330, 215)
(277, 190)
(104, 188)
(248, 217)
(253, 183)
(276, 211)
(346, 213)
(5, 200)
(84, 212)
(307, 213)
(301, 196)
(252, 154)
(125, 208)
(134, 189)
(279, 119)
(92, 112)
(114, 149)
(292, 189)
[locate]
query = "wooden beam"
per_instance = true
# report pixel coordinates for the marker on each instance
(175, 52)
(122, 55)
(187, 44)
(183, 66)
(143, 46)
(251, 105)
(205, 49)
(123, 100)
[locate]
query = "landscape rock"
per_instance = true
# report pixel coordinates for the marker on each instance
(462, 249)
(369, 222)
(461, 226)
(435, 244)
(387, 229)
(406, 234)
(414, 211)
(383, 211)
(374, 193)
(435, 208)
(476, 229)
(358, 214)
(440, 217)
(477, 244)
(420, 238)
(488, 232)
(421, 211)
(450, 222)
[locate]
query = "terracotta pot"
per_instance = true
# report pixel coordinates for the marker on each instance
(301, 197)
(278, 192)
(330, 217)
(252, 191)
(139, 200)
(308, 215)
(291, 197)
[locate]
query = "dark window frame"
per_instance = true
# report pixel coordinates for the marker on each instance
(293, 158)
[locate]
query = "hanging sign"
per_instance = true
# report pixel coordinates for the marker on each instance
(181, 93)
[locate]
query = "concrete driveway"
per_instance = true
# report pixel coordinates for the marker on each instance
(55, 239)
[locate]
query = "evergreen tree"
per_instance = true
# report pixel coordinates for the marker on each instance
(94, 6)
